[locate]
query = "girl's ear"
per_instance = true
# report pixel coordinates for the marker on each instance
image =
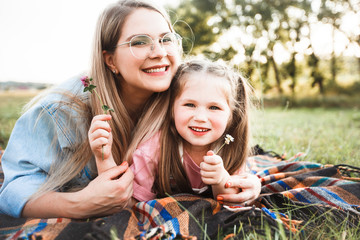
(109, 60)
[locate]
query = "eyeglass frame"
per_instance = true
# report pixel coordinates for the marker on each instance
(177, 36)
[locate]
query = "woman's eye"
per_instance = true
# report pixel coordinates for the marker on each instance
(139, 43)
(189, 105)
(214, 108)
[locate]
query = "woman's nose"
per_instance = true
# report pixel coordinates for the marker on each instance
(157, 50)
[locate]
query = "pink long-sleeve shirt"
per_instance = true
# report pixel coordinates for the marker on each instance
(145, 165)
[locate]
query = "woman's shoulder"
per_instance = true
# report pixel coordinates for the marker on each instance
(56, 109)
(65, 92)
(58, 96)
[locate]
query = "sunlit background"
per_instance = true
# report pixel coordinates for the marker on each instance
(46, 40)
(50, 41)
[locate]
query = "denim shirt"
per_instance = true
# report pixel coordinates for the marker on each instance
(28, 156)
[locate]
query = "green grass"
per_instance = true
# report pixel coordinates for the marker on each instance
(328, 136)
(11, 104)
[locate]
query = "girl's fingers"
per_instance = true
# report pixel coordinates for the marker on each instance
(210, 153)
(210, 167)
(206, 174)
(213, 160)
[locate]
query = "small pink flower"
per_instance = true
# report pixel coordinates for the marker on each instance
(91, 88)
(85, 81)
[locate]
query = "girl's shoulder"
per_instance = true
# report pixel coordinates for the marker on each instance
(149, 149)
(152, 144)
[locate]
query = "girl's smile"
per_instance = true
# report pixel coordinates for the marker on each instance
(201, 112)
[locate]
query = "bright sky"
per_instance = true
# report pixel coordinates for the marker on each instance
(46, 40)
(49, 41)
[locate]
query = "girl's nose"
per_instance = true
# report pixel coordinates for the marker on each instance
(200, 115)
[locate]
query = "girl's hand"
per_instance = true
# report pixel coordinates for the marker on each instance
(212, 170)
(100, 139)
(249, 184)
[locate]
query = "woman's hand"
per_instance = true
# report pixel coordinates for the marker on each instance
(249, 184)
(108, 193)
(212, 170)
(100, 139)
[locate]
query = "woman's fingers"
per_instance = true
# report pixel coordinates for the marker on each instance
(111, 190)
(101, 117)
(249, 184)
(99, 124)
(117, 171)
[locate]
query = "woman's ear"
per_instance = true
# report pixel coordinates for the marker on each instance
(109, 60)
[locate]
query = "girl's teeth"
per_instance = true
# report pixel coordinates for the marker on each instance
(199, 129)
(153, 70)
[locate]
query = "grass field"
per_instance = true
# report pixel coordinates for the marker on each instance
(11, 104)
(328, 136)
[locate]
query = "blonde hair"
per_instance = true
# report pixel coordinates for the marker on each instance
(234, 155)
(127, 133)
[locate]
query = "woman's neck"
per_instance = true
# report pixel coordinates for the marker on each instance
(134, 102)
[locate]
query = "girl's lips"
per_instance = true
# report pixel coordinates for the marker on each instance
(199, 131)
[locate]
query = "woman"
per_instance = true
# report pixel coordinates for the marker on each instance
(49, 146)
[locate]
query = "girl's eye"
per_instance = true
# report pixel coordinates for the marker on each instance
(189, 105)
(214, 108)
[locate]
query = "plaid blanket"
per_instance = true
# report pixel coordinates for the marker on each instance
(294, 193)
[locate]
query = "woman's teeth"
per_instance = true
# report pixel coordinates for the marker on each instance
(154, 70)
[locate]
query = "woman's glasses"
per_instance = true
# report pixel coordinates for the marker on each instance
(141, 46)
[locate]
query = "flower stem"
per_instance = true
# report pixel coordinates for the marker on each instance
(102, 147)
(219, 149)
(101, 102)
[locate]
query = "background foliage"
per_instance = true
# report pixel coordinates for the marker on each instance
(273, 43)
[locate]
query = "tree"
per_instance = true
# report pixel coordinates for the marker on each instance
(265, 26)
(197, 22)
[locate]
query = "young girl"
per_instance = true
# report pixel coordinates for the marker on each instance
(207, 101)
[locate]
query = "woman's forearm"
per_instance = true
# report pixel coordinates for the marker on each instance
(55, 204)
(108, 193)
